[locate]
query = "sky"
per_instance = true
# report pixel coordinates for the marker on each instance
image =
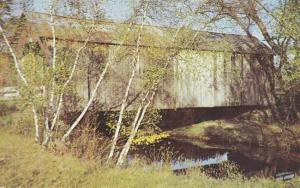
(120, 10)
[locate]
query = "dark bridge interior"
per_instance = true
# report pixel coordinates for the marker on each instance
(171, 118)
(174, 118)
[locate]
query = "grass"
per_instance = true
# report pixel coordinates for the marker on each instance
(26, 164)
(232, 132)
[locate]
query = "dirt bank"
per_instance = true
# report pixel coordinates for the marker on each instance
(250, 129)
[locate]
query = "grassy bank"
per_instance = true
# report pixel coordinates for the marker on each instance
(245, 131)
(26, 164)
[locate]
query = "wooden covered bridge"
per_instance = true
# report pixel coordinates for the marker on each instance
(214, 70)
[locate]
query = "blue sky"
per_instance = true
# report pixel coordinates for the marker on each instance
(120, 10)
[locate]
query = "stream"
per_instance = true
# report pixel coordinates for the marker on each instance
(250, 161)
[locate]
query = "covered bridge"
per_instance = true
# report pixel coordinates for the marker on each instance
(213, 70)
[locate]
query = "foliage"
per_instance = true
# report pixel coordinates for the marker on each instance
(153, 74)
(36, 75)
(5, 9)
(152, 139)
(287, 28)
(17, 119)
(225, 170)
(149, 126)
(287, 20)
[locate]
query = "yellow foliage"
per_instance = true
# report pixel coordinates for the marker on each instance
(154, 138)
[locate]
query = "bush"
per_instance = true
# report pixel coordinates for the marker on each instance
(16, 118)
(87, 143)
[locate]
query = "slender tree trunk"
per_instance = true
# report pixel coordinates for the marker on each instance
(67, 134)
(23, 79)
(124, 101)
(135, 127)
(36, 124)
(89, 81)
(46, 132)
(56, 112)
(141, 112)
(119, 123)
(55, 108)
(51, 107)
(269, 72)
(16, 61)
(51, 103)
(131, 136)
(79, 118)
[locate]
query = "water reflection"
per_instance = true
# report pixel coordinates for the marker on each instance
(186, 164)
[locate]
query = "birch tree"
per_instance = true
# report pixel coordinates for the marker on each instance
(55, 90)
(164, 58)
(136, 58)
(6, 11)
(111, 59)
(24, 81)
(55, 109)
(153, 78)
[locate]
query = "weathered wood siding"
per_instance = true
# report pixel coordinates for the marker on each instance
(196, 79)
(211, 79)
(202, 76)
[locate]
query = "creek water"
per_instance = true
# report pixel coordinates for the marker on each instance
(250, 161)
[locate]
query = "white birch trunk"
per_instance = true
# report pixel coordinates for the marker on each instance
(124, 101)
(119, 123)
(60, 101)
(23, 79)
(46, 132)
(136, 123)
(50, 108)
(67, 134)
(13, 54)
(55, 111)
(36, 124)
(135, 127)
(76, 122)
(136, 119)
(53, 60)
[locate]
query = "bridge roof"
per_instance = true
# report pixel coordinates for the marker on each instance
(108, 32)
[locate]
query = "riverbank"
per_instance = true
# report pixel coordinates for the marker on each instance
(26, 164)
(251, 129)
